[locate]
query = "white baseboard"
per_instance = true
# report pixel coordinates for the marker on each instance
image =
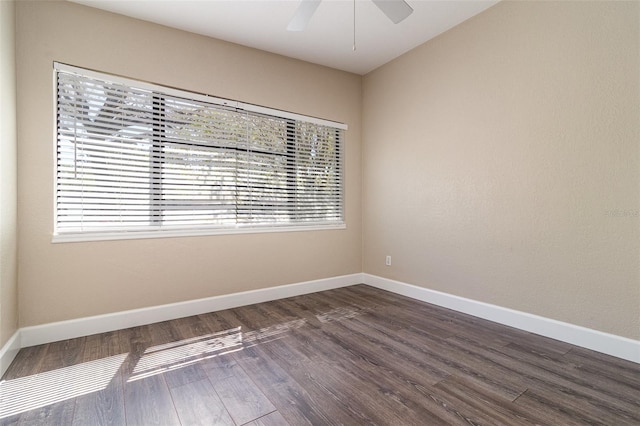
(9, 351)
(52, 332)
(610, 344)
(617, 346)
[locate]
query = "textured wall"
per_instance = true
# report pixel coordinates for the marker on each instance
(8, 185)
(64, 281)
(501, 162)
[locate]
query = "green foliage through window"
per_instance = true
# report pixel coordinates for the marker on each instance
(139, 158)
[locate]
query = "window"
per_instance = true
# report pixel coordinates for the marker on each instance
(136, 159)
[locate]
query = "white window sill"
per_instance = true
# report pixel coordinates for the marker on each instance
(137, 235)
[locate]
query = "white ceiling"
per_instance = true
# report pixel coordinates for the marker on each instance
(327, 40)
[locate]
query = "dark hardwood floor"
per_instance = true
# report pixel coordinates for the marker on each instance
(355, 355)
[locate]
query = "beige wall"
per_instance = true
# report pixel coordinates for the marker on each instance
(64, 281)
(501, 162)
(8, 184)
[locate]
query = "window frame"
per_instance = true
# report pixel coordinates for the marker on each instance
(160, 91)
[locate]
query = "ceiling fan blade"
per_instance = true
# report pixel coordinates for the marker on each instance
(303, 15)
(396, 10)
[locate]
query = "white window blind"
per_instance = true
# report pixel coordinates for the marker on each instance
(134, 157)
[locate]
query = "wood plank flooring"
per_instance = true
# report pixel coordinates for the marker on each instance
(352, 356)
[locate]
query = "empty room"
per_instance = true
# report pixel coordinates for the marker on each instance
(289, 212)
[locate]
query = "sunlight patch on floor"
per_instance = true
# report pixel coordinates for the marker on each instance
(170, 356)
(339, 314)
(39, 390)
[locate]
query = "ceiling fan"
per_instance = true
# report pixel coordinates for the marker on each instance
(396, 10)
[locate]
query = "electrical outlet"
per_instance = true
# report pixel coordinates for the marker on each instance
(388, 261)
